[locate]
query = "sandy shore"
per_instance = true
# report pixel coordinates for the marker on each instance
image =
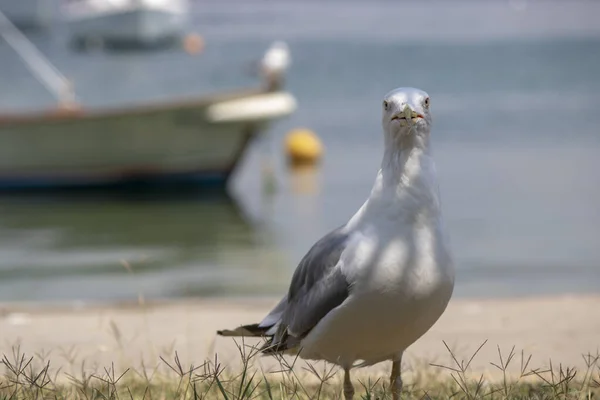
(557, 328)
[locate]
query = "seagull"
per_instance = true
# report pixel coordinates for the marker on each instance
(370, 288)
(274, 63)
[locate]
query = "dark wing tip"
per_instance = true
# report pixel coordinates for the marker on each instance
(245, 330)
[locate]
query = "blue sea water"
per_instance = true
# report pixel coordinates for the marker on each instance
(515, 94)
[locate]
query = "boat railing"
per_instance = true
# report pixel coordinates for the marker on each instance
(40, 67)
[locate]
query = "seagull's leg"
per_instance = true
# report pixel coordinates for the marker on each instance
(395, 378)
(348, 388)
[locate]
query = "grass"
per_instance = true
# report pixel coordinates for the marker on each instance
(32, 377)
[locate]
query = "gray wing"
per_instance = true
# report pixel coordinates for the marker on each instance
(318, 286)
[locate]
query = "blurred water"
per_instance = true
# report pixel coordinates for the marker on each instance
(515, 94)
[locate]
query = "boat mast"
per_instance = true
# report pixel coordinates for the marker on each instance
(46, 73)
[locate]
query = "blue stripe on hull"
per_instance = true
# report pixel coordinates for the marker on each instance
(185, 180)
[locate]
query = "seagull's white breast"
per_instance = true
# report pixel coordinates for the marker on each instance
(401, 276)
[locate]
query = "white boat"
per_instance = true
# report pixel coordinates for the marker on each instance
(195, 141)
(27, 13)
(143, 22)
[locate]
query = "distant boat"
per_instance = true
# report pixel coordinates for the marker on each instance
(27, 13)
(194, 141)
(129, 22)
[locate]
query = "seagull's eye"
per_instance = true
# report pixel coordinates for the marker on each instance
(427, 102)
(385, 105)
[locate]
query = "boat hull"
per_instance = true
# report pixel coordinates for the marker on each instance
(184, 144)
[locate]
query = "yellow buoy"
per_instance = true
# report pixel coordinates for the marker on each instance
(193, 43)
(303, 147)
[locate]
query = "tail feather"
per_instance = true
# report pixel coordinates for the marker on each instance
(245, 330)
(286, 344)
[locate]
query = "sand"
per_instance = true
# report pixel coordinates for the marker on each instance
(558, 328)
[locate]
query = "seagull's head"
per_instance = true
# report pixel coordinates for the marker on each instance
(406, 115)
(277, 57)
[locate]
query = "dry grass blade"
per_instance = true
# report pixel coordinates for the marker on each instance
(221, 388)
(268, 390)
(591, 363)
(245, 388)
(370, 389)
(459, 373)
(327, 375)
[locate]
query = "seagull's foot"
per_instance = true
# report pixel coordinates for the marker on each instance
(348, 387)
(396, 380)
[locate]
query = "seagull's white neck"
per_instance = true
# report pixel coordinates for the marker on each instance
(406, 184)
(403, 156)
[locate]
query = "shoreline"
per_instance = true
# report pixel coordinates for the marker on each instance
(557, 328)
(64, 306)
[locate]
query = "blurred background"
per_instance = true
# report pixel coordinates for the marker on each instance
(515, 89)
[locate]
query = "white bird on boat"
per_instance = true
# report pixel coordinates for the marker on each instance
(274, 63)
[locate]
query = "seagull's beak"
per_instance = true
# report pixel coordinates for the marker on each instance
(407, 114)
